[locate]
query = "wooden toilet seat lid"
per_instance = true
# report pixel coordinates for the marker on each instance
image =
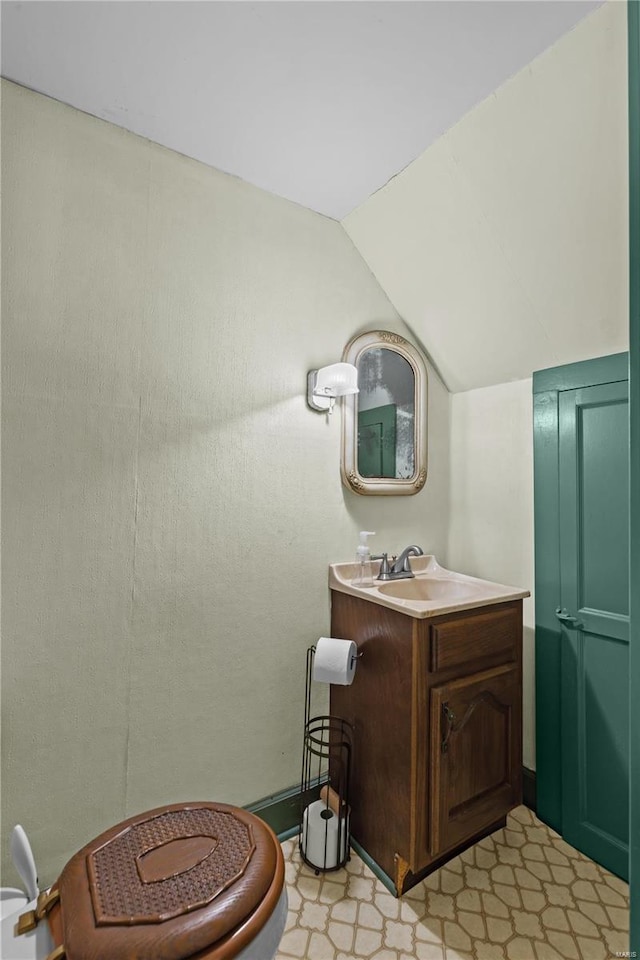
(190, 880)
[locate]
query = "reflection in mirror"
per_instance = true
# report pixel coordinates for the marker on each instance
(384, 448)
(386, 409)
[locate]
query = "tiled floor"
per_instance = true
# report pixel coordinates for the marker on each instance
(521, 894)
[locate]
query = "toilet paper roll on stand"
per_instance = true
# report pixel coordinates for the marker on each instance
(335, 661)
(325, 836)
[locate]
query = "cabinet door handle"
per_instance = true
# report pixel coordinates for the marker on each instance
(448, 720)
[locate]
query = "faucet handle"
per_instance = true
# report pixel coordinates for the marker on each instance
(384, 573)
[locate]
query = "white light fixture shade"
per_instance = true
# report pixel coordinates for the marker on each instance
(327, 383)
(336, 380)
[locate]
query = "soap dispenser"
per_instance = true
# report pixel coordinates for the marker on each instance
(363, 576)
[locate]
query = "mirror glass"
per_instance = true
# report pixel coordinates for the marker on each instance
(384, 426)
(386, 415)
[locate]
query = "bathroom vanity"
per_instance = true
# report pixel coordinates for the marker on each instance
(436, 706)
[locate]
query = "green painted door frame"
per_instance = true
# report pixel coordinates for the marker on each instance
(633, 13)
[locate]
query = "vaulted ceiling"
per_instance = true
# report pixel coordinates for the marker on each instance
(318, 102)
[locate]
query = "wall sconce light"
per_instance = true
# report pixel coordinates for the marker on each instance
(327, 383)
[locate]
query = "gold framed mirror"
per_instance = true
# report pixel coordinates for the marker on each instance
(384, 426)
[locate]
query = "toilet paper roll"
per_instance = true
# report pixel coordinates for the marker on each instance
(320, 829)
(334, 661)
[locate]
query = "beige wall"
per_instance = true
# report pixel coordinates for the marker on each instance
(505, 247)
(491, 518)
(170, 502)
(505, 244)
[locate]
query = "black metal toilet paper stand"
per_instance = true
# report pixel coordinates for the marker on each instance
(324, 786)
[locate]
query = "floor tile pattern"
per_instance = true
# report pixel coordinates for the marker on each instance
(520, 894)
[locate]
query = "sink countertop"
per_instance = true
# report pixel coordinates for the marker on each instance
(436, 590)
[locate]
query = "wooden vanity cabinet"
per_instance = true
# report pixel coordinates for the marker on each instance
(436, 706)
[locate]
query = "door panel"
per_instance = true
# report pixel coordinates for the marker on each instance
(594, 586)
(603, 463)
(603, 749)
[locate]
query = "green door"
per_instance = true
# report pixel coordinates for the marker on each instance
(377, 441)
(593, 615)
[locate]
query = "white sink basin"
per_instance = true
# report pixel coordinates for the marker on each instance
(431, 592)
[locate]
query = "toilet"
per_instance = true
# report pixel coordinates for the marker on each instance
(189, 881)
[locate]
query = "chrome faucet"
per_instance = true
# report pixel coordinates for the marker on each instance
(401, 568)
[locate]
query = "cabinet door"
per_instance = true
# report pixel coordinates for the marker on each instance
(475, 766)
